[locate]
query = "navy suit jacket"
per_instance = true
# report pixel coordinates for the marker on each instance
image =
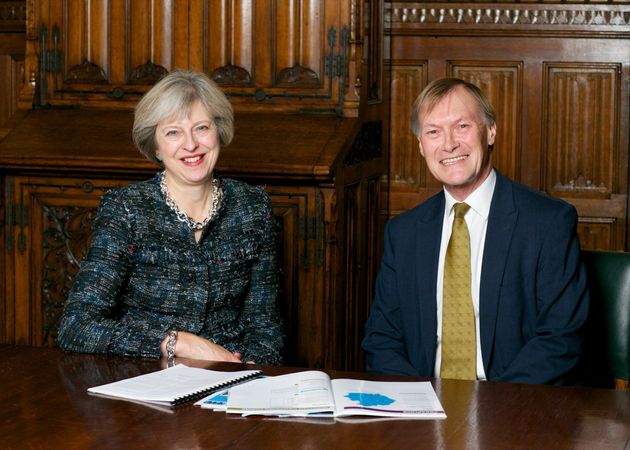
(533, 298)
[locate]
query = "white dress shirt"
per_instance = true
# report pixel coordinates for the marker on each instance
(477, 221)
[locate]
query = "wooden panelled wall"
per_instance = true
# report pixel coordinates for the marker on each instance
(268, 55)
(558, 76)
(12, 46)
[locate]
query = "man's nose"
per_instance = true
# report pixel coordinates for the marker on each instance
(450, 141)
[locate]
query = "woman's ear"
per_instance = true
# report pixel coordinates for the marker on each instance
(420, 147)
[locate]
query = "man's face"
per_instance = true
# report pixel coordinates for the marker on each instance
(454, 142)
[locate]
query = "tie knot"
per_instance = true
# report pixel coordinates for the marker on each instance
(461, 209)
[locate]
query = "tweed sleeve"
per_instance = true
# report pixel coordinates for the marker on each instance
(93, 319)
(263, 338)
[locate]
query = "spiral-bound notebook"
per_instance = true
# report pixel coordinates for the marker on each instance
(173, 386)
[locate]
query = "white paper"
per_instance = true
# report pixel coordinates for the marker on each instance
(168, 385)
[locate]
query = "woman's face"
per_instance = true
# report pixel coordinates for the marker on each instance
(188, 146)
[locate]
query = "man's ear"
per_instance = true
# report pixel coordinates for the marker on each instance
(420, 147)
(492, 133)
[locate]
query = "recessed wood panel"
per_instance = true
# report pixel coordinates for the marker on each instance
(229, 46)
(407, 168)
(298, 37)
(580, 126)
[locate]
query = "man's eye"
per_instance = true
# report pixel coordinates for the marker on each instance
(432, 132)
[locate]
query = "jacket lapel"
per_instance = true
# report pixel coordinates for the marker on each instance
(428, 232)
(501, 223)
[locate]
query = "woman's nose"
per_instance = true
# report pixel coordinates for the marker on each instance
(190, 142)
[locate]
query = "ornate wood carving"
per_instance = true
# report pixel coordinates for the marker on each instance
(147, 73)
(65, 237)
(299, 75)
(231, 75)
(590, 17)
(86, 72)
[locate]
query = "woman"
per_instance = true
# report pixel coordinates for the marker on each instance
(182, 264)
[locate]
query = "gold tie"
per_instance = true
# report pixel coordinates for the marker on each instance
(459, 354)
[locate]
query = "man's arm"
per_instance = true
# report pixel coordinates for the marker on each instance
(384, 338)
(561, 308)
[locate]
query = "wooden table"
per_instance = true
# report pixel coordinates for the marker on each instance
(44, 404)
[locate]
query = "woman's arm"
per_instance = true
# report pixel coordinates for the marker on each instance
(261, 317)
(93, 321)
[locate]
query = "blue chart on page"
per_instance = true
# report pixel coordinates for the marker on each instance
(365, 399)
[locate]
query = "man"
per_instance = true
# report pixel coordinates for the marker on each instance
(525, 285)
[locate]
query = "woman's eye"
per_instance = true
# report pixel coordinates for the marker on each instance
(171, 133)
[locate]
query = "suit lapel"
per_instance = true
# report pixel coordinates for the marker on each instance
(501, 223)
(427, 249)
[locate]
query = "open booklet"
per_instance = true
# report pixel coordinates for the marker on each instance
(313, 393)
(174, 385)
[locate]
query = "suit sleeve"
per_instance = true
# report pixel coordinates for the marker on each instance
(384, 338)
(561, 307)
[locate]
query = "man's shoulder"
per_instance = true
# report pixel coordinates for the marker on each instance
(532, 200)
(424, 211)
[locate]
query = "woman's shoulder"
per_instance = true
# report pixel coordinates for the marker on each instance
(139, 190)
(241, 187)
(243, 193)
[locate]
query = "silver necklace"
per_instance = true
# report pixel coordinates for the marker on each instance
(215, 192)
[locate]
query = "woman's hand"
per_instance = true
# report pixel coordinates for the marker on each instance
(191, 346)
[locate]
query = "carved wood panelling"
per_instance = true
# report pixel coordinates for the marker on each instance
(268, 54)
(586, 18)
(407, 169)
(580, 127)
(66, 235)
(227, 42)
(501, 82)
(45, 238)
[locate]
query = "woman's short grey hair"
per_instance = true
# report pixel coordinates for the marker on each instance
(437, 90)
(173, 97)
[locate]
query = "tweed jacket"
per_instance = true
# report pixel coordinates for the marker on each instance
(144, 274)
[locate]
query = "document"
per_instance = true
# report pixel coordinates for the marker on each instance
(313, 393)
(174, 385)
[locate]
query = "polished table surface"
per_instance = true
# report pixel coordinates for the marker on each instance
(44, 404)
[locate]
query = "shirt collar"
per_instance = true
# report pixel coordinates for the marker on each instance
(479, 200)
